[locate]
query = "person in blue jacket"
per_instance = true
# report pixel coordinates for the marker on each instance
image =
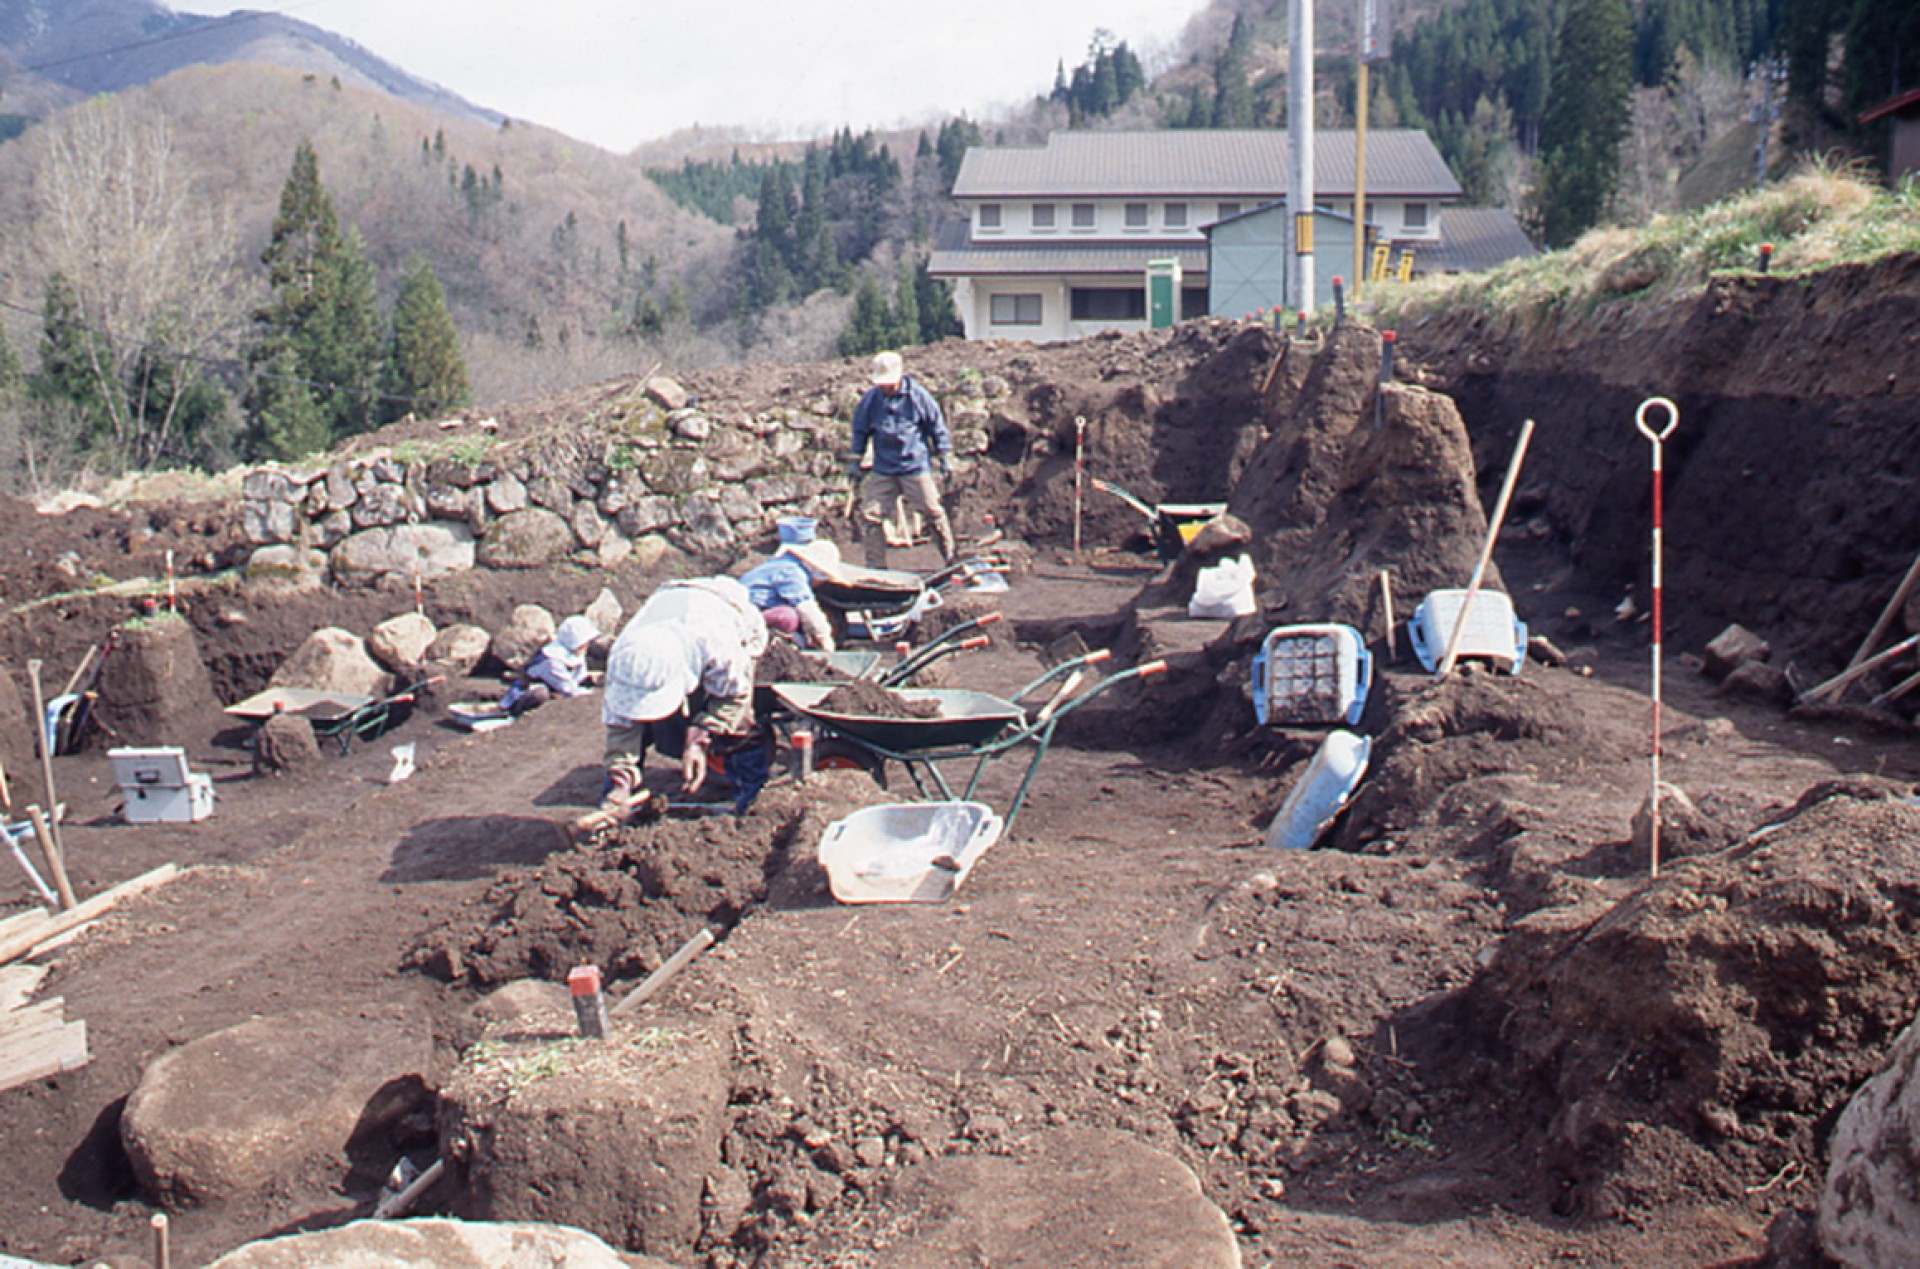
(903, 424)
(785, 582)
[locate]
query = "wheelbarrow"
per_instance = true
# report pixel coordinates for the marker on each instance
(1171, 524)
(880, 604)
(342, 717)
(967, 726)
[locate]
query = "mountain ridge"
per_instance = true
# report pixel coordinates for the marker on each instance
(108, 46)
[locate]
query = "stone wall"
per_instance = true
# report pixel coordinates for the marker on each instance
(638, 480)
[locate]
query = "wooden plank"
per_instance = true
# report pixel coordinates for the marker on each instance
(10, 926)
(28, 1017)
(19, 982)
(52, 1053)
(80, 914)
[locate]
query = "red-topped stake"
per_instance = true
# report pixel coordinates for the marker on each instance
(589, 1005)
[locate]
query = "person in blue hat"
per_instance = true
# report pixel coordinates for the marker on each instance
(785, 581)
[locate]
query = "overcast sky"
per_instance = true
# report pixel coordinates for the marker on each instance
(618, 72)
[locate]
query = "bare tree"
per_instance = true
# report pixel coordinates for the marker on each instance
(149, 264)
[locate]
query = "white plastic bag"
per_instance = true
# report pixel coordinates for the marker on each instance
(1224, 590)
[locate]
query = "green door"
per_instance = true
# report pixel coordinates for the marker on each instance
(1163, 293)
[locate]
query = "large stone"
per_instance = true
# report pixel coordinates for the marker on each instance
(405, 551)
(1732, 648)
(1684, 828)
(1870, 1207)
(525, 539)
(458, 649)
(704, 528)
(605, 612)
(506, 494)
(332, 660)
(269, 520)
(285, 744)
(528, 629)
(296, 1098)
(382, 504)
(666, 393)
(1072, 1197)
(616, 1136)
(400, 643)
(435, 1243)
(589, 527)
(284, 566)
(646, 515)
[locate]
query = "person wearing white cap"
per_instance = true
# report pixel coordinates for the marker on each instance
(903, 423)
(786, 581)
(680, 679)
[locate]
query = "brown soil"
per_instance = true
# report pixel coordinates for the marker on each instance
(869, 700)
(1475, 1032)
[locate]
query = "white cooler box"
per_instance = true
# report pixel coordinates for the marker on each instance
(1315, 676)
(1492, 633)
(159, 788)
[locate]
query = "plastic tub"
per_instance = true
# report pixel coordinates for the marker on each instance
(796, 530)
(906, 852)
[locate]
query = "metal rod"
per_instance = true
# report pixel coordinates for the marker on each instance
(1486, 551)
(660, 977)
(1642, 420)
(399, 1203)
(162, 1253)
(1887, 614)
(1872, 663)
(1079, 448)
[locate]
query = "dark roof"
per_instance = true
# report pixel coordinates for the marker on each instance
(954, 256)
(1472, 239)
(1892, 105)
(1229, 163)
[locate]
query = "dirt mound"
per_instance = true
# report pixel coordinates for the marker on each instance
(628, 905)
(870, 700)
(1697, 1039)
(1440, 735)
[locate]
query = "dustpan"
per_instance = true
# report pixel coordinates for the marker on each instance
(907, 852)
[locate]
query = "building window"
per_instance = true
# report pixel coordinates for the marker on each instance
(1101, 304)
(989, 215)
(1083, 216)
(1043, 215)
(1415, 216)
(1136, 216)
(1229, 210)
(1016, 310)
(1175, 216)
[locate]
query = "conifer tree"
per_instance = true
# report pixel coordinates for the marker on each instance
(871, 327)
(12, 377)
(425, 372)
(1589, 109)
(323, 312)
(289, 423)
(70, 359)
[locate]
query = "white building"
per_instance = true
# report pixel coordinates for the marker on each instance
(1058, 237)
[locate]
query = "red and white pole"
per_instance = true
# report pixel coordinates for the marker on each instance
(1079, 467)
(1658, 436)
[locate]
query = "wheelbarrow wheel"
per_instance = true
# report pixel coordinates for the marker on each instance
(834, 754)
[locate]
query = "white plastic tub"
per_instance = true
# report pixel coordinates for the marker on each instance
(907, 852)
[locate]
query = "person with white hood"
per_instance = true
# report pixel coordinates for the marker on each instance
(558, 669)
(680, 679)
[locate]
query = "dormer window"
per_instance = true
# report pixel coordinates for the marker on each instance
(1136, 216)
(1083, 216)
(1174, 216)
(1043, 216)
(1414, 217)
(989, 215)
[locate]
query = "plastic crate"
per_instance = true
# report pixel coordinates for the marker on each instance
(1311, 675)
(1492, 633)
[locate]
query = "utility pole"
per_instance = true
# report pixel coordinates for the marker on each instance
(1300, 138)
(1376, 45)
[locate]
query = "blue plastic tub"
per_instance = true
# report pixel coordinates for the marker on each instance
(796, 530)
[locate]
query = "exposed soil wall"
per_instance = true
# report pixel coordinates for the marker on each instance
(1790, 479)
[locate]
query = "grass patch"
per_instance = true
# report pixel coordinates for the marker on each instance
(1821, 217)
(467, 451)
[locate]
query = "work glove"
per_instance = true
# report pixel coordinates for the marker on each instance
(694, 761)
(853, 470)
(945, 463)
